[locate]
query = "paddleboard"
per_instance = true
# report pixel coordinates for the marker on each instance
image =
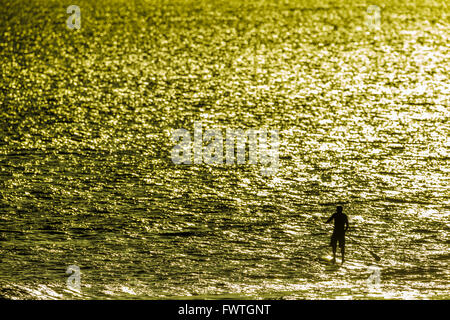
(327, 261)
(349, 264)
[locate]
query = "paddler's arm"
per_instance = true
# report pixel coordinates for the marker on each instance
(331, 218)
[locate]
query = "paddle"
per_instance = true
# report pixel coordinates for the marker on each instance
(374, 255)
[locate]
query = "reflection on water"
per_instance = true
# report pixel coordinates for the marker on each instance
(87, 179)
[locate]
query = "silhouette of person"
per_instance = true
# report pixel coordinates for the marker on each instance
(340, 227)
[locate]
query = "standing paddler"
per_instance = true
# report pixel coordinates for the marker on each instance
(340, 227)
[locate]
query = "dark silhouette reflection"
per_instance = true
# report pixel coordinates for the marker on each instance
(340, 227)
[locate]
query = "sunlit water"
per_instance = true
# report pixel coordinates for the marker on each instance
(86, 174)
